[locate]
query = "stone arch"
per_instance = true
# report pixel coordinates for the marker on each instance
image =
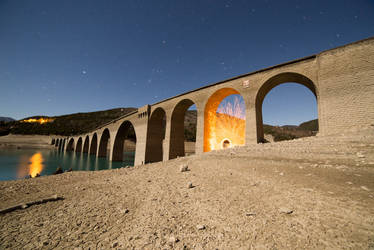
(53, 141)
(57, 142)
(271, 83)
(93, 147)
(86, 144)
(70, 146)
(105, 137)
(210, 114)
(155, 136)
(63, 144)
(60, 144)
(79, 145)
(124, 131)
(177, 128)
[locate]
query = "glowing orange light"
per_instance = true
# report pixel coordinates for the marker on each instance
(225, 126)
(40, 120)
(36, 164)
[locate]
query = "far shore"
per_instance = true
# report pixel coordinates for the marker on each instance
(25, 141)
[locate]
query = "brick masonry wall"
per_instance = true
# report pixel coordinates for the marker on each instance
(346, 87)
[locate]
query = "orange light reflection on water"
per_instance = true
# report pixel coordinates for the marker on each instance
(36, 164)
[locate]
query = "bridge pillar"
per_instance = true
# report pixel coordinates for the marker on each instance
(166, 141)
(111, 146)
(250, 120)
(98, 144)
(199, 145)
(141, 128)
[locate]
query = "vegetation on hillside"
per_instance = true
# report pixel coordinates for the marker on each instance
(72, 124)
(290, 132)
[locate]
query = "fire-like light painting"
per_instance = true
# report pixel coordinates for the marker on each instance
(40, 120)
(224, 121)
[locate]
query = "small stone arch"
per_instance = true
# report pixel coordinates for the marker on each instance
(177, 128)
(124, 131)
(155, 136)
(210, 114)
(53, 141)
(70, 146)
(271, 83)
(93, 147)
(86, 144)
(105, 137)
(63, 144)
(79, 145)
(60, 145)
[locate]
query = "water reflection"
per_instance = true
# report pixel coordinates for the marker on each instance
(20, 163)
(30, 166)
(36, 164)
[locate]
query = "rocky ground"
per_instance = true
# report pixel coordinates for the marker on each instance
(313, 193)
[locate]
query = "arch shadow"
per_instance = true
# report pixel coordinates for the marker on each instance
(155, 136)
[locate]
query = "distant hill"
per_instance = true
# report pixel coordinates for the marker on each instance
(72, 124)
(6, 119)
(289, 132)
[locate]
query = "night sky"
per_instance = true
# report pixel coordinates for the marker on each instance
(61, 57)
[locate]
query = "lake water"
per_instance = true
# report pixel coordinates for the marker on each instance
(20, 163)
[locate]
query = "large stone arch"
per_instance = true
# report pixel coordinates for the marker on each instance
(177, 128)
(79, 145)
(57, 142)
(71, 145)
(210, 114)
(53, 141)
(93, 148)
(155, 136)
(105, 137)
(271, 83)
(122, 134)
(86, 144)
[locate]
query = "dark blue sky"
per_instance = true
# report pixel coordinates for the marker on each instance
(60, 57)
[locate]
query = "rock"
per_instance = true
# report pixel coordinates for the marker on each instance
(190, 185)
(365, 188)
(200, 227)
(126, 211)
(281, 174)
(285, 211)
(360, 155)
(184, 168)
(250, 214)
(58, 171)
(173, 239)
(115, 244)
(70, 170)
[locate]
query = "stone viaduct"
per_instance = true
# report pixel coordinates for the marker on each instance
(342, 80)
